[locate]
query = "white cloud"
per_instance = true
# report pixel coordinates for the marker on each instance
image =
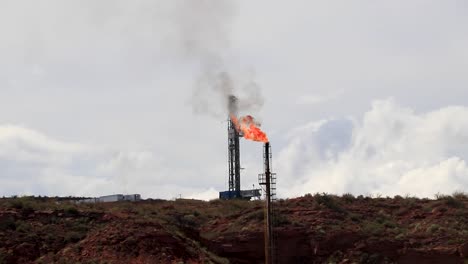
(314, 99)
(23, 144)
(33, 163)
(392, 150)
(111, 75)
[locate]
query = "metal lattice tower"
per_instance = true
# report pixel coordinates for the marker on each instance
(234, 166)
(234, 152)
(234, 159)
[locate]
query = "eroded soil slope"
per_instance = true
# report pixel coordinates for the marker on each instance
(311, 229)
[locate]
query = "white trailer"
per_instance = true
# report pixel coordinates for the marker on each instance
(132, 197)
(111, 198)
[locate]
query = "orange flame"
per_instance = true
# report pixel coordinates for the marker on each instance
(249, 128)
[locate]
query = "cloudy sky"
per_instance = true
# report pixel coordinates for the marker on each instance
(114, 96)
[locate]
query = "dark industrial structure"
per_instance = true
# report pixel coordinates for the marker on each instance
(268, 181)
(234, 177)
(233, 151)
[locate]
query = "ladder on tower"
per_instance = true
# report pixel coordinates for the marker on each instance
(262, 181)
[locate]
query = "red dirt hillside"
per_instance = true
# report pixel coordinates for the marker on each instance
(311, 229)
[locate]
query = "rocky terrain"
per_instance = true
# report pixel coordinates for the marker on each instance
(317, 228)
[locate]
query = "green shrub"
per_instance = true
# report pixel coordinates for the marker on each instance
(328, 201)
(7, 223)
(355, 217)
(81, 228)
(73, 237)
(460, 195)
(416, 227)
(71, 211)
(348, 197)
(255, 215)
(452, 202)
(24, 204)
(400, 236)
(16, 204)
(402, 211)
(280, 220)
(3, 255)
(440, 196)
(389, 223)
(372, 228)
(433, 228)
(215, 202)
(184, 220)
(23, 227)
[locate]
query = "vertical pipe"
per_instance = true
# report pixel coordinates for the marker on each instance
(268, 228)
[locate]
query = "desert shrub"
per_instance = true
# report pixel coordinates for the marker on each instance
(16, 204)
(452, 202)
(282, 201)
(320, 229)
(348, 197)
(7, 223)
(400, 236)
(297, 224)
(460, 195)
(443, 209)
(402, 211)
(70, 210)
(280, 220)
(335, 257)
(427, 208)
(375, 258)
(73, 237)
(184, 220)
(236, 205)
(385, 220)
(372, 228)
(22, 204)
(256, 215)
(23, 227)
(433, 228)
(328, 201)
(389, 223)
(417, 227)
(215, 202)
(355, 217)
(440, 196)
(81, 228)
(52, 220)
(410, 201)
(3, 255)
